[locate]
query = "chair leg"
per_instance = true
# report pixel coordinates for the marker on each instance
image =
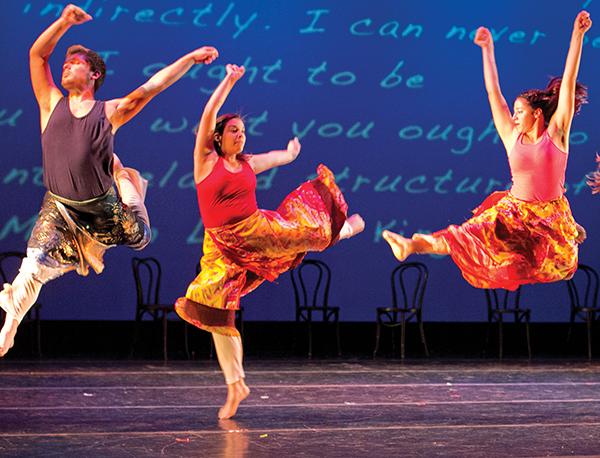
(136, 335)
(487, 335)
(164, 326)
(402, 337)
(309, 324)
(571, 322)
(527, 334)
(500, 339)
(423, 336)
(588, 319)
(211, 347)
(337, 335)
(186, 341)
(377, 335)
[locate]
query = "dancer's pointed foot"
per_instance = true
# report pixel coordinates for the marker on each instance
(401, 246)
(352, 226)
(7, 334)
(236, 393)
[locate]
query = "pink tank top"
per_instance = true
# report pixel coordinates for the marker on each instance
(538, 170)
(226, 197)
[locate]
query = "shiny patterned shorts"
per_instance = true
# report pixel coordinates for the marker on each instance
(71, 235)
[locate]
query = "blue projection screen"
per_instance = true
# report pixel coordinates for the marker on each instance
(389, 94)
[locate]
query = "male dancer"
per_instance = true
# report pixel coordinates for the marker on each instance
(82, 215)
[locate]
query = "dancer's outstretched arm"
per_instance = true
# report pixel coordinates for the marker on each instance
(120, 111)
(594, 178)
(208, 121)
(560, 124)
(46, 92)
(500, 111)
(266, 161)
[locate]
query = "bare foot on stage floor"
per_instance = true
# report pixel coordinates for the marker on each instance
(236, 393)
(7, 335)
(401, 246)
(352, 226)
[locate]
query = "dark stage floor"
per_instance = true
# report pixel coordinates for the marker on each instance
(300, 408)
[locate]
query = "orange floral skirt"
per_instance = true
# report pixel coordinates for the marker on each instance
(238, 257)
(511, 242)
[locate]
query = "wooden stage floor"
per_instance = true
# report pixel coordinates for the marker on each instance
(323, 408)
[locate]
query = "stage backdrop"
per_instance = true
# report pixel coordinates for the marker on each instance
(388, 94)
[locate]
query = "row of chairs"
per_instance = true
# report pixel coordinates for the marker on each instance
(311, 283)
(408, 285)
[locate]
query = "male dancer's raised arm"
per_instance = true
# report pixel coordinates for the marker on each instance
(120, 111)
(46, 92)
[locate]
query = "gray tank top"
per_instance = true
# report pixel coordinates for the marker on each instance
(78, 152)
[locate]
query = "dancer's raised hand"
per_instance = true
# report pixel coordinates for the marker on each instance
(294, 147)
(75, 15)
(234, 72)
(205, 55)
(483, 37)
(583, 22)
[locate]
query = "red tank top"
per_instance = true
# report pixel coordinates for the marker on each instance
(538, 170)
(226, 197)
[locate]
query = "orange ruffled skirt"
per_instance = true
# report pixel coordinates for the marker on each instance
(238, 257)
(511, 242)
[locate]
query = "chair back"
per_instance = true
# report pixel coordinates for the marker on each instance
(409, 281)
(583, 287)
(311, 281)
(147, 275)
(502, 299)
(10, 261)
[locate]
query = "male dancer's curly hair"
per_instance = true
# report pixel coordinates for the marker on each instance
(93, 59)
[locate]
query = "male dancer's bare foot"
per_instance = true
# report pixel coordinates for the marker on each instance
(352, 226)
(7, 335)
(236, 393)
(401, 246)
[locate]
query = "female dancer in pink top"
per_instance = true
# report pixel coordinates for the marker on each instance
(527, 234)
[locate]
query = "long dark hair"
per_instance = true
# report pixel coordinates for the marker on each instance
(220, 128)
(547, 99)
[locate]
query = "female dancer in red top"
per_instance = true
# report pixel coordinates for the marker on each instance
(526, 235)
(243, 246)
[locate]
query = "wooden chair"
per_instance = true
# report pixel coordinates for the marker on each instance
(311, 281)
(408, 281)
(147, 274)
(583, 295)
(501, 302)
